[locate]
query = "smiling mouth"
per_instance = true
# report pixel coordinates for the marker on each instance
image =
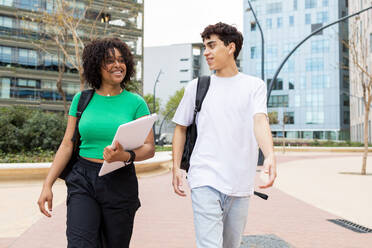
(117, 72)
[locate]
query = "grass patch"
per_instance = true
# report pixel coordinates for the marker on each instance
(27, 157)
(40, 156)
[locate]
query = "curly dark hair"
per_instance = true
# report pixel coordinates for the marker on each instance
(95, 55)
(225, 33)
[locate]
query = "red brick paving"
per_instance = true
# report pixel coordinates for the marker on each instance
(165, 221)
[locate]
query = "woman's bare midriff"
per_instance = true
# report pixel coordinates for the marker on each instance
(95, 160)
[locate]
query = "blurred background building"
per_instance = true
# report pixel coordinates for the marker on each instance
(361, 35)
(312, 92)
(29, 55)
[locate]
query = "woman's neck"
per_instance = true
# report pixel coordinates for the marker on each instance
(108, 90)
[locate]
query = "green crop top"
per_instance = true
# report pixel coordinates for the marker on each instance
(103, 116)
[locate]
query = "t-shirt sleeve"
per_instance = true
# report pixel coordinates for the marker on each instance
(185, 110)
(260, 98)
(142, 108)
(74, 104)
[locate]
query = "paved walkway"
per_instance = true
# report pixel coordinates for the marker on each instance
(311, 188)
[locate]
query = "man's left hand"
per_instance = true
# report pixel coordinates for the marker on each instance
(270, 169)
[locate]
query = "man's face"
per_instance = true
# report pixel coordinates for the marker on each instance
(216, 53)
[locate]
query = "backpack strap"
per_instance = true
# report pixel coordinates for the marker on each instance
(201, 92)
(85, 97)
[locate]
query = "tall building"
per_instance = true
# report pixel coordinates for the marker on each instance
(360, 34)
(311, 93)
(28, 73)
(178, 64)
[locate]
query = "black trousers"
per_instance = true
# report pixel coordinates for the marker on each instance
(100, 210)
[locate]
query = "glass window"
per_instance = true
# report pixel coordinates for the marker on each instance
(322, 17)
(307, 18)
(319, 46)
(253, 26)
(29, 4)
(278, 84)
(253, 53)
(139, 70)
(5, 88)
(139, 46)
(297, 100)
(289, 66)
(278, 101)
(270, 66)
(184, 70)
(320, 81)
(279, 22)
(139, 20)
(295, 4)
(346, 117)
(313, 117)
(274, 8)
(6, 2)
(271, 51)
(6, 22)
(315, 99)
(309, 4)
(325, 3)
(291, 84)
(291, 21)
(269, 23)
(288, 117)
(27, 57)
(5, 54)
(314, 64)
(303, 82)
(184, 59)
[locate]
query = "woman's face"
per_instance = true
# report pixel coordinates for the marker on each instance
(113, 70)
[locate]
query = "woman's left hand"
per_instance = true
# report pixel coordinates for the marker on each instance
(117, 154)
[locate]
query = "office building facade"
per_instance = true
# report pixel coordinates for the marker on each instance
(311, 93)
(360, 34)
(28, 53)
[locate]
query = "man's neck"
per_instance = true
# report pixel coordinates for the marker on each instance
(228, 71)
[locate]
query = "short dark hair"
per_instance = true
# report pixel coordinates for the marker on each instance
(225, 33)
(97, 52)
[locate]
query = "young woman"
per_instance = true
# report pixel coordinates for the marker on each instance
(100, 210)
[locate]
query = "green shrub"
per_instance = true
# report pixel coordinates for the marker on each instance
(25, 129)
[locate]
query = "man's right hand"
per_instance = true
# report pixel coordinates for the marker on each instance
(177, 182)
(46, 196)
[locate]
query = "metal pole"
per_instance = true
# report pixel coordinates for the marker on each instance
(154, 103)
(300, 43)
(260, 153)
(262, 42)
(165, 117)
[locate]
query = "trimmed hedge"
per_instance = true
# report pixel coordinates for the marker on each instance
(25, 129)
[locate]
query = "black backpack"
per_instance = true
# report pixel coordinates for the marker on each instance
(191, 132)
(85, 97)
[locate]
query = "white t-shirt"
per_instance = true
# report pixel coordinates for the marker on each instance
(226, 152)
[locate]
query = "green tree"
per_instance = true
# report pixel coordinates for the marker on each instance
(273, 117)
(172, 104)
(149, 98)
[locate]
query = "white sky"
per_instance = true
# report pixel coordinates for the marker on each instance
(181, 21)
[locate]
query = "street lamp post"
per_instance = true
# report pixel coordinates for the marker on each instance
(154, 102)
(262, 41)
(165, 117)
(260, 154)
(300, 43)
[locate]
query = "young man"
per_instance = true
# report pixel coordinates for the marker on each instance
(231, 124)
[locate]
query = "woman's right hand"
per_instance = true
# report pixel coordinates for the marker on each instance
(46, 196)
